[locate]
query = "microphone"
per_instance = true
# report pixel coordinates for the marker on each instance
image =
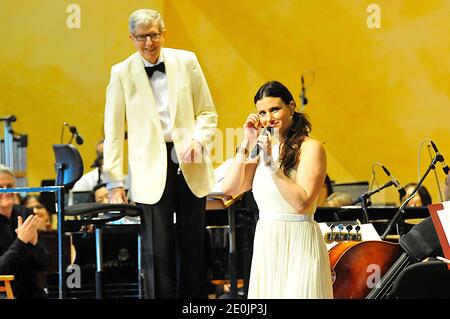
(257, 148)
(400, 189)
(97, 162)
(79, 139)
(8, 118)
(74, 131)
(440, 158)
(303, 98)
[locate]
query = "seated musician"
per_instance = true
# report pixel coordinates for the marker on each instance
(422, 197)
(21, 253)
(34, 202)
(338, 199)
(99, 194)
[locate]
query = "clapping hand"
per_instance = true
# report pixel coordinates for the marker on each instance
(27, 231)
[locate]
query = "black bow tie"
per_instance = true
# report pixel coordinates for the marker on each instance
(151, 69)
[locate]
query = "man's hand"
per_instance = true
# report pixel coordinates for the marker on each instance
(117, 196)
(193, 153)
(27, 231)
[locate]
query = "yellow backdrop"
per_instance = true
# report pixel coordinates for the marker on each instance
(374, 93)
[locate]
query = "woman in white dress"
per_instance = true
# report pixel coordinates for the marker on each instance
(290, 259)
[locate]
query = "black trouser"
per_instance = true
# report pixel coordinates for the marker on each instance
(173, 255)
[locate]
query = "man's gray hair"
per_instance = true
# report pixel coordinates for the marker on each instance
(6, 169)
(145, 17)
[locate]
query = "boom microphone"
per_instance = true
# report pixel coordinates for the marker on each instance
(303, 98)
(75, 133)
(400, 189)
(440, 158)
(8, 118)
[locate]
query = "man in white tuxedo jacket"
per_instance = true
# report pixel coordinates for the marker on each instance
(162, 96)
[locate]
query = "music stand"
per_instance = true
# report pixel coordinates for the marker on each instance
(218, 201)
(443, 233)
(69, 167)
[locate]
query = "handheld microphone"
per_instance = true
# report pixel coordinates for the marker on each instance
(440, 158)
(255, 151)
(400, 189)
(74, 131)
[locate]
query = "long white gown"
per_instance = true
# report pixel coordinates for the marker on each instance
(290, 258)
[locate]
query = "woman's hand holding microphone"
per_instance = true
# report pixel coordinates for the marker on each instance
(259, 140)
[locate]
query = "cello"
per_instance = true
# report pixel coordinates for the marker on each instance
(368, 269)
(357, 266)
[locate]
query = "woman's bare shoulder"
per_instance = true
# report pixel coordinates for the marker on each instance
(310, 143)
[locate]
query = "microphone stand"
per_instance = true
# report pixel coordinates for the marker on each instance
(401, 211)
(435, 175)
(74, 133)
(364, 200)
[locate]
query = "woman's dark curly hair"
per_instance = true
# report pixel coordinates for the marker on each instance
(301, 127)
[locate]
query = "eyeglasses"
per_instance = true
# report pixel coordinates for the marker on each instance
(143, 37)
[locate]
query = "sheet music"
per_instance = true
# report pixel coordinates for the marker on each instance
(444, 217)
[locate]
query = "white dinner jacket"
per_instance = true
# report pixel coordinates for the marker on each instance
(129, 98)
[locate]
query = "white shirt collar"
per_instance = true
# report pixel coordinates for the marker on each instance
(160, 59)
